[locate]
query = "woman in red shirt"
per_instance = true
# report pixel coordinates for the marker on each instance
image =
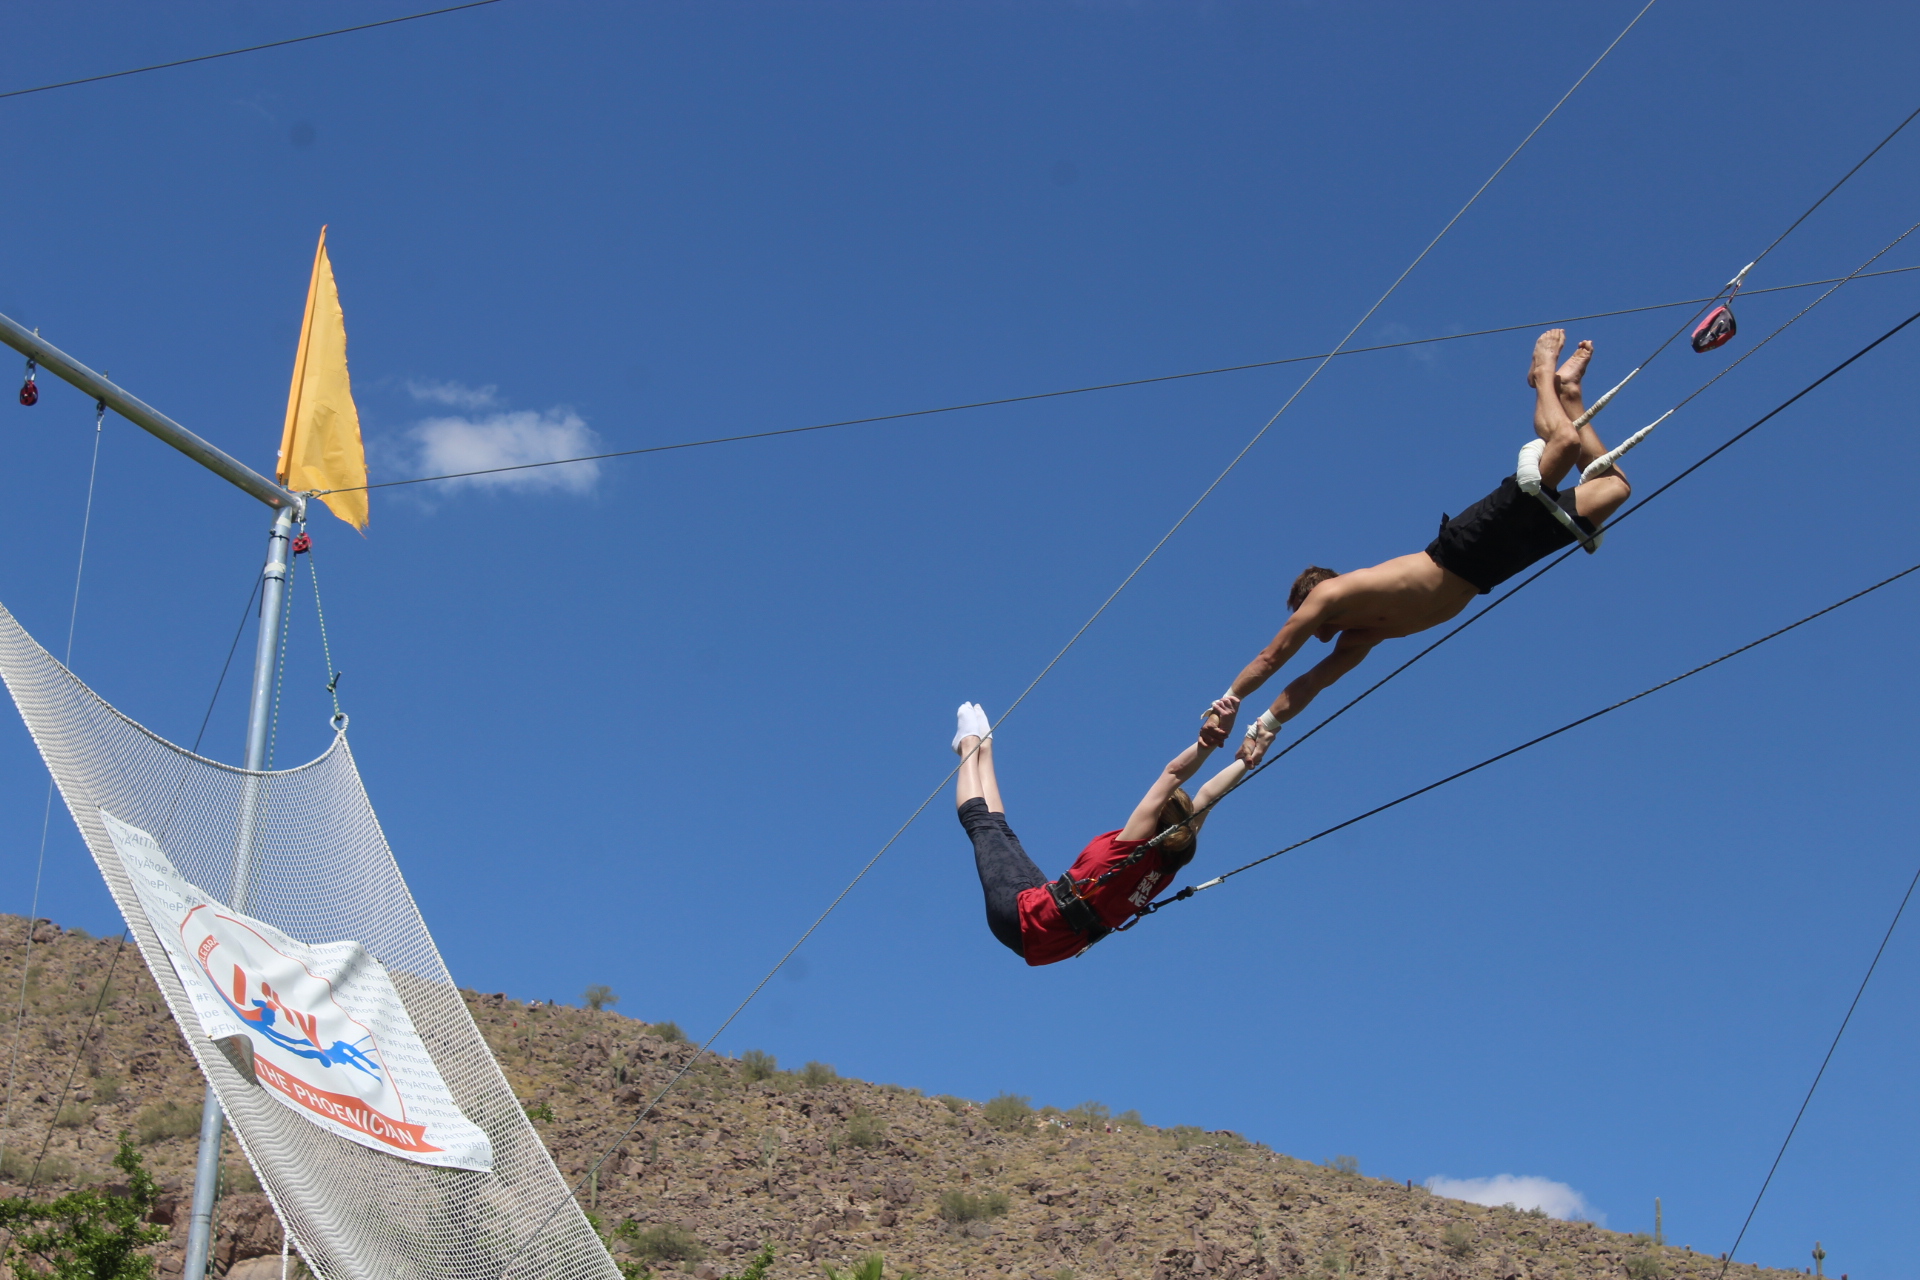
(1117, 874)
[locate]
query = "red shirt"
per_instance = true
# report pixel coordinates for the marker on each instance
(1045, 937)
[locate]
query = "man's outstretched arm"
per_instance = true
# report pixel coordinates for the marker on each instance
(1348, 652)
(1295, 632)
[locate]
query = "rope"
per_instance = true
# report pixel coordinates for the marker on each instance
(1726, 1259)
(1544, 569)
(594, 1169)
(1733, 286)
(1104, 386)
(252, 48)
(46, 815)
(1186, 893)
(326, 650)
(1364, 694)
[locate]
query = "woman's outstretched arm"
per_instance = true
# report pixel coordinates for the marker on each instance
(1145, 822)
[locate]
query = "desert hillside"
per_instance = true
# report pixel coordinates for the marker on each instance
(827, 1170)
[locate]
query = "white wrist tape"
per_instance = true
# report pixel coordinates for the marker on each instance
(1267, 722)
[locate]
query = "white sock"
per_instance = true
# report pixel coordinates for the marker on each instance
(967, 725)
(982, 725)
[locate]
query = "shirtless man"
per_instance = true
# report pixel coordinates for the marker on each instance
(1483, 546)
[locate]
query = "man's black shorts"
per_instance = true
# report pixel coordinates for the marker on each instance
(1503, 533)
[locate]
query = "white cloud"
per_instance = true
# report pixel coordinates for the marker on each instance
(456, 395)
(450, 446)
(1555, 1199)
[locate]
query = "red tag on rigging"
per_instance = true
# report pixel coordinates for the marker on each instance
(1716, 330)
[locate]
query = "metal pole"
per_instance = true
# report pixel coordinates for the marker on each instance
(144, 415)
(266, 661)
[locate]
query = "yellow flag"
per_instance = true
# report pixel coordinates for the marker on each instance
(321, 446)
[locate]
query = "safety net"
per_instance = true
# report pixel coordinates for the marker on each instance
(320, 886)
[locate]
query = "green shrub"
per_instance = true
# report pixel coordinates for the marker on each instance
(75, 1115)
(663, 1242)
(871, 1267)
(93, 1234)
(1644, 1266)
(953, 1104)
(1090, 1115)
(78, 932)
(1458, 1240)
(756, 1065)
(598, 996)
(1008, 1110)
(106, 1090)
(539, 1111)
(865, 1130)
(757, 1269)
(165, 1120)
(962, 1206)
(1131, 1119)
(816, 1074)
(668, 1031)
(1349, 1165)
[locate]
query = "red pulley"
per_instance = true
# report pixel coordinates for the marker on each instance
(302, 544)
(1716, 330)
(29, 392)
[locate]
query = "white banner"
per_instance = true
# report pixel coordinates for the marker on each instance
(330, 1037)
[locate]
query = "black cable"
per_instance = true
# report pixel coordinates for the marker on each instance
(78, 1053)
(1188, 892)
(1100, 386)
(1726, 1259)
(1206, 493)
(225, 666)
(1731, 286)
(1562, 558)
(252, 48)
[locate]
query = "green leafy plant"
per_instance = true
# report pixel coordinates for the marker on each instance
(963, 1206)
(953, 1104)
(106, 1090)
(1644, 1266)
(599, 996)
(1131, 1119)
(164, 1120)
(668, 1031)
(865, 1129)
(757, 1269)
(1008, 1110)
(1090, 1115)
(1349, 1165)
(539, 1111)
(871, 1267)
(1458, 1240)
(85, 1235)
(75, 1115)
(758, 1065)
(816, 1074)
(662, 1242)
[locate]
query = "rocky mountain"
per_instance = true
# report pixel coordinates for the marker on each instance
(826, 1170)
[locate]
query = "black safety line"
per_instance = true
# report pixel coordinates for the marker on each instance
(1190, 890)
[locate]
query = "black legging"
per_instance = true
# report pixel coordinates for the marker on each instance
(1005, 869)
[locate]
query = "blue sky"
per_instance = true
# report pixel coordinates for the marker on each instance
(639, 725)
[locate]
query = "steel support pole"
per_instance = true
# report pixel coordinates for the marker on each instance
(145, 416)
(266, 661)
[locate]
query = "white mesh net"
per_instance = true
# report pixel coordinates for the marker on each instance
(320, 871)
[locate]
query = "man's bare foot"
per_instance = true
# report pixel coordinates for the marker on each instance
(1567, 379)
(1546, 353)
